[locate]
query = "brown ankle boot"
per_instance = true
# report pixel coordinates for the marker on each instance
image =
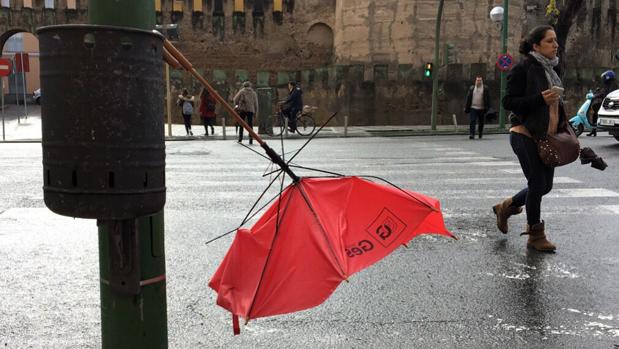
(503, 211)
(537, 238)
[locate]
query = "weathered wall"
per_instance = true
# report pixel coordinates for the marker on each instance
(302, 40)
(363, 57)
(402, 32)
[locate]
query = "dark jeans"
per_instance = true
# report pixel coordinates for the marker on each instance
(187, 120)
(291, 114)
(477, 116)
(208, 122)
(249, 117)
(539, 177)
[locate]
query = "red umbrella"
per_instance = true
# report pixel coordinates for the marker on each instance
(329, 229)
(316, 234)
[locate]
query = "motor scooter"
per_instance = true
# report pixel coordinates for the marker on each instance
(580, 121)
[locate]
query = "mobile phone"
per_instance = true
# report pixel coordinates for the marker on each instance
(558, 90)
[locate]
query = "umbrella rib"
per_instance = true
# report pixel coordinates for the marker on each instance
(262, 195)
(259, 154)
(400, 189)
(324, 233)
(312, 137)
(248, 216)
(266, 263)
(317, 170)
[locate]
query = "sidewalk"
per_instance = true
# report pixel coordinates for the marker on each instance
(29, 129)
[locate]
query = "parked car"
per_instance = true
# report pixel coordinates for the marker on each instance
(608, 116)
(36, 96)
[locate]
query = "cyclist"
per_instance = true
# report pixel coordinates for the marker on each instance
(293, 105)
(609, 84)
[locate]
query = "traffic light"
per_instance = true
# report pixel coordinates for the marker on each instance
(427, 72)
(449, 56)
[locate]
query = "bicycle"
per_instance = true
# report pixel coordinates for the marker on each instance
(305, 122)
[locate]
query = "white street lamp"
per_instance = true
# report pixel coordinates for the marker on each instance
(496, 14)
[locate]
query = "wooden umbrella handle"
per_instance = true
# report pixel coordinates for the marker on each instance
(177, 55)
(168, 58)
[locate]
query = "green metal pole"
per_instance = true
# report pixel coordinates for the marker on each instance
(435, 65)
(132, 320)
(504, 33)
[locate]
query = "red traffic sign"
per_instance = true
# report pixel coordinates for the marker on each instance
(504, 62)
(5, 67)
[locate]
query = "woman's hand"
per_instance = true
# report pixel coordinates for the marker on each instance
(550, 97)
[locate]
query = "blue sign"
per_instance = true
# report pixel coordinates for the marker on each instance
(504, 62)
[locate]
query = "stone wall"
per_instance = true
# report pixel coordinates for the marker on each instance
(362, 57)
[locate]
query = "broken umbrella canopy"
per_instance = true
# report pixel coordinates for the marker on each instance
(318, 232)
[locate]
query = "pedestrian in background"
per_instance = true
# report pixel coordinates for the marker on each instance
(246, 102)
(185, 101)
(207, 111)
(477, 104)
(536, 112)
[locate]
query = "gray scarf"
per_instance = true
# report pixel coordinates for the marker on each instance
(548, 64)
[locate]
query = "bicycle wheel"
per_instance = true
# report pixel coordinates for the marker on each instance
(305, 125)
(277, 124)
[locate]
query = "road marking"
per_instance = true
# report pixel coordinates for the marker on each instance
(612, 208)
(494, 163)
(582, 193)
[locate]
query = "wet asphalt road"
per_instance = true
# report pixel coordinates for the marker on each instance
(482, 291)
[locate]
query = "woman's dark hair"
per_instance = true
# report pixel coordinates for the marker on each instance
(204, 93)
(535, 36)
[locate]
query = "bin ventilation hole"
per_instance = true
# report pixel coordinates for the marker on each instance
(154, 48)
(74, 178)
(110, 179)
(126, 43)
(47, 177)
(145, 179)
(89, 40)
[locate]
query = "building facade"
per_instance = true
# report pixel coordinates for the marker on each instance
(362, 57)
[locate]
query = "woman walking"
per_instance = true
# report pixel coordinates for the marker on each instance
(207, 111)
(537, 111)
(185, 101)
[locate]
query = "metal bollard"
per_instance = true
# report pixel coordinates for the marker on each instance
(223, 127)
(345, 125)
(455, 121)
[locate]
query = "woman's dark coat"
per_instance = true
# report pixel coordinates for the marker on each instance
(525, 83)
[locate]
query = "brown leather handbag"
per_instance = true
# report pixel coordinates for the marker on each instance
(559, 149)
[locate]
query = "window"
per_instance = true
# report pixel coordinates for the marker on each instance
(277, 6)
(158, 5)
(27, 3)
(177, 6)
(197, 6)
(49, 4)
(239, 6)
(72, 4)
(218, 8)
(6, 3)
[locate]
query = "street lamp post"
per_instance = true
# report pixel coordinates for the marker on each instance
(501, 15)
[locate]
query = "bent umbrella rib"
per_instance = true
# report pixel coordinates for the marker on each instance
(322, 229)
(277, 230)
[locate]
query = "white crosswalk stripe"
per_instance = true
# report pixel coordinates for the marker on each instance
(450, 174)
